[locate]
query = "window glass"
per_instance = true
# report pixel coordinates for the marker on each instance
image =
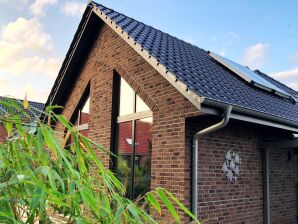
(82, 117)
(126, 98)
(125, 147)
(86, 106)
(133, 144)
(143, 149)
(84, 113)
(140, 105)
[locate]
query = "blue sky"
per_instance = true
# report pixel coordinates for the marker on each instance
(35, 35)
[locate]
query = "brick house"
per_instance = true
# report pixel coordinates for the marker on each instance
(3, 111)
(215, 133)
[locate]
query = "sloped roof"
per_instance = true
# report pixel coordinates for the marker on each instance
(34, 109)
(202, 74)
(190, 69)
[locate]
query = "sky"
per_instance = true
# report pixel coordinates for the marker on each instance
(36, 34)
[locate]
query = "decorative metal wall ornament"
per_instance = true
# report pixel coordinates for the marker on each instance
(231, 166)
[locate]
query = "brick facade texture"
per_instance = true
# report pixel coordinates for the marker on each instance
(219, 200)
(170, 158)
(282, 178)
(3, 133)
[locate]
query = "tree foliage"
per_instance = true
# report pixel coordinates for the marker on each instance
(40, 179)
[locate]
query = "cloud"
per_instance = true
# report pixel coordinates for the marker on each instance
(38, 6)
(19, 5)
(293, 85)
(293, 59)
(73, 8)
(27, 34)
(25, 49)
(286, 74)
(23, 2)
(18, 90)
(289, 77)
(255, 56)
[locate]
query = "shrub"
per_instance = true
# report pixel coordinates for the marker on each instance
(39, 178)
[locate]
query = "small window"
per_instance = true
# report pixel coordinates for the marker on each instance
(80, 117)
(83, 117)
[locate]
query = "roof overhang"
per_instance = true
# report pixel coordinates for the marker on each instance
(239, 113)
(210, 106)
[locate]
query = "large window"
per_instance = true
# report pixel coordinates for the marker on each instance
(133, 148)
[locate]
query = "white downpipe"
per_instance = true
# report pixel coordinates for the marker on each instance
(195, 148)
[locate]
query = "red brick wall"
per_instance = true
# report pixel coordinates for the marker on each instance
(282, 186)
(239, 202)
(142, 135)
(221, 201)
(170, 159)
(3, 133)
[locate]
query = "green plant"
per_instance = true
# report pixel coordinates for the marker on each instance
(39, 178)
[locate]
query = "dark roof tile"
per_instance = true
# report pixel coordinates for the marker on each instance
(202, 74)
(34, 111)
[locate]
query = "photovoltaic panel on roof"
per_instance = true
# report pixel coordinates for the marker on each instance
(249, 75)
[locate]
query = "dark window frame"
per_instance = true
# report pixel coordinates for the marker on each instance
(116, 120)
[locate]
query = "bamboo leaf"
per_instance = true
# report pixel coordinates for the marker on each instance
(168, 204)
(182, 207)
(152, 200)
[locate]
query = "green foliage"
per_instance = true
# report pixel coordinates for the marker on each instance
(40, 178)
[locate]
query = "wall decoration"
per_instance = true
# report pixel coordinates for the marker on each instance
(231, 166)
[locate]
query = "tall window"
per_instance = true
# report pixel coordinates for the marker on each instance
(134, 124)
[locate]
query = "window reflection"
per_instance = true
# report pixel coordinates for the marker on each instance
(143, 149)
(126, 98)
(140, 105)
(134, 143)
(82, 117)
(124, 154)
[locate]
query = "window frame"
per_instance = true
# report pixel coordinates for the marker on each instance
(117, 119)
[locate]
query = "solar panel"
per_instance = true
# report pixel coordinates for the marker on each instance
(249, 76)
